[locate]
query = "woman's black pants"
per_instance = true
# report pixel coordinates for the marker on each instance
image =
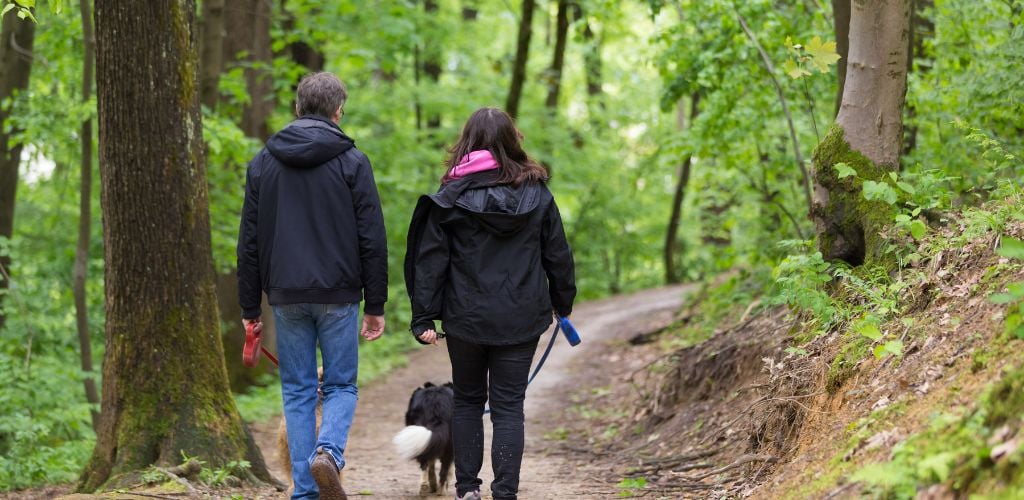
(496, 375)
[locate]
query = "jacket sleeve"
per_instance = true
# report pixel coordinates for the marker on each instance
(373, 243)
(250, 287)
(429, 269)
(556, 257)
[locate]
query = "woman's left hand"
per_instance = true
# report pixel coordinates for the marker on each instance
(429, 336)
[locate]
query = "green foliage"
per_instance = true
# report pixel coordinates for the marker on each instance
(957, 448)
(630, 487)
(1014, 296)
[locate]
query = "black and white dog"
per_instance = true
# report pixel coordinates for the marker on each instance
(427, 437)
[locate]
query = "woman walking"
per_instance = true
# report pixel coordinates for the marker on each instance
(487, 256)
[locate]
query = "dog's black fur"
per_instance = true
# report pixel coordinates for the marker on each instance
(431, 406)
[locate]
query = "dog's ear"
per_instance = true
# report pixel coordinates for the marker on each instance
(428, 385)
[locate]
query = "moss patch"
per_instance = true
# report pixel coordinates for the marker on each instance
(848, 225)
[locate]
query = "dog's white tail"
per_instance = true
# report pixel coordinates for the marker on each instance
(411, 441)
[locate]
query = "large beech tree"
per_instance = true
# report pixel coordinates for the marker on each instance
(165, 389)
(867, 134)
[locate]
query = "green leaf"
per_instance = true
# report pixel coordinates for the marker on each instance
(879, 191)
(28, 4)
(1001, 298)
(794, 70)
(906, 187)
(843, 170)
(918, 229)
(822, 55)
(1012, 248)
(937, 466)
(869, 329)
(7, 8)
(902, 218)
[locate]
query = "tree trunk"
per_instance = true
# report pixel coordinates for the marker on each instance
(522, 54)
(212, 46)
(558, 59)
(867, 135)
(921, 27)
(432, 59)
(672, 234)
(81, 268)
(165, 389)
(16, 37)
(592, 65)
(301, 52)
(247, 30)
(470, 10)
(841, 19)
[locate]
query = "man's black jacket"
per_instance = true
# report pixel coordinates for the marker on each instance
(312, 229)
(490, 261)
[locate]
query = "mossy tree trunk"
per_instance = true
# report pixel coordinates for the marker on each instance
(165, 389)
(867, 135)
(16, 37)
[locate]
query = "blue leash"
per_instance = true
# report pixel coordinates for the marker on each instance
(566, 327)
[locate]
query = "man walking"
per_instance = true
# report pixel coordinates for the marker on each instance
(312, 237)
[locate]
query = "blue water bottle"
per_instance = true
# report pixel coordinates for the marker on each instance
(570, 332)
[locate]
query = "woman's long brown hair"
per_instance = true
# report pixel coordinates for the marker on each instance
(493, 129)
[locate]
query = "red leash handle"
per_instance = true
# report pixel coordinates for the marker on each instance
(254, 346)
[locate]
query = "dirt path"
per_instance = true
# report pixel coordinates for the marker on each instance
(374, 469)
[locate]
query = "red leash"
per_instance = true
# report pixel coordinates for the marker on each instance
(253, 346)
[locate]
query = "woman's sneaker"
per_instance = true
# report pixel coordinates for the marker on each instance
(472, 495)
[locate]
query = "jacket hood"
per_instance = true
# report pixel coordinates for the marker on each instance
(309, 142)
(502, 209)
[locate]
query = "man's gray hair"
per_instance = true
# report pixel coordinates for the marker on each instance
(320, 94)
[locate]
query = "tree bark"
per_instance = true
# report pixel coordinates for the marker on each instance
(558, 58)
(522, 54)
(165, 389)
(16, 38)
(867, 135)
(247, 42)
(470, 10)
(672, 233)
(921, 27)
(81, 268)
(841, 20)
(432, 59)
(302, 53)
(212, 46)
(592, 61)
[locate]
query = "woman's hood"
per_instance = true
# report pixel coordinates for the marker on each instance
(500, 208)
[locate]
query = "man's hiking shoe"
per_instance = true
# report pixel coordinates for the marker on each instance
(472, 495)
(325, 473)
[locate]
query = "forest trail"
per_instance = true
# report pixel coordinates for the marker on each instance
(373, 468)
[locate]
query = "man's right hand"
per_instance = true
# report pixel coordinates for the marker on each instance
(258, 321)
(373, 327)
(429, 336)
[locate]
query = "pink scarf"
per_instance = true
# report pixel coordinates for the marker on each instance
(476, 161)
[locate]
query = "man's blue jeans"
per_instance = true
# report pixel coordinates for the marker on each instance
(299, 328)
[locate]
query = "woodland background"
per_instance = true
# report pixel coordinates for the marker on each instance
(676, 134)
